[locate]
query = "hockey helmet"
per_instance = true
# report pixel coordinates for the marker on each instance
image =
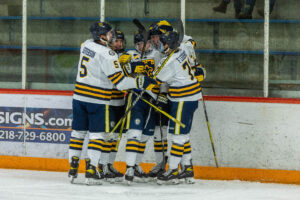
(171, 38)
(138, 37)
(99, 28)
(160, 27)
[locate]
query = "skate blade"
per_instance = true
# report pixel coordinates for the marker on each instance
(119, 179)
(91, 181)
(169, 182)
(190, 180)
(140, 180)
(72, 179)
(129, 183)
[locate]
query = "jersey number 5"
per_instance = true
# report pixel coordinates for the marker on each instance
(186, 65)
(83, 69)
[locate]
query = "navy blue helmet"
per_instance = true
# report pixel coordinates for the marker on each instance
(99, 28)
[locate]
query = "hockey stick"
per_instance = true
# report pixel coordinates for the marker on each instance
(145, 34)
(134, 103)
(161, 111)
(210, 135)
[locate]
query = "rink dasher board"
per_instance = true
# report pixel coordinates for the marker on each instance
(247, 134)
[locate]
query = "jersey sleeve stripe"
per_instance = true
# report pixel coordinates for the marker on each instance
(113, 76)
(118, 79)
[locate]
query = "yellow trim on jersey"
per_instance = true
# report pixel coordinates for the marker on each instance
(117, 79)
(184, 88)
(93, 89)
(92, 94)
(178, 117)
(107, 118)
(185, 93)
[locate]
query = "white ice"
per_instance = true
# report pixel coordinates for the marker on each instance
(40, 185)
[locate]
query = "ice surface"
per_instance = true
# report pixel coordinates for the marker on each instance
(40, 185)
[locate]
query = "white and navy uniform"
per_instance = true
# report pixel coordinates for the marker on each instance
(98, 71)
(117, 110)
(139, 122)
(184, 93)
(188, 45)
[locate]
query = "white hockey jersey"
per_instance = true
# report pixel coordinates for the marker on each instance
(118, 97)
(98, 71)
(188, 46)
(177, 73)
(151, 60)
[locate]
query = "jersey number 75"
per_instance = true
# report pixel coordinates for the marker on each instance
(186, 65)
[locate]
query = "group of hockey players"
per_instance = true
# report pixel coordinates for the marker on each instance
(160, 76)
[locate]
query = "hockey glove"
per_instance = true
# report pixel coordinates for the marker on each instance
(124, 59)
(199, 72)
(137, 67)
(145, 82)
(162, 98)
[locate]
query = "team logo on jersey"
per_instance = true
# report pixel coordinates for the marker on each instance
(149, 67)
(111, 52)
(137, 121)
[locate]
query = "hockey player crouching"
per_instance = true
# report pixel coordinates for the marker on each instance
(184, 93)
(98, 71)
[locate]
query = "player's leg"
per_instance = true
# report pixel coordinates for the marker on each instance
(98, 128)
(187, 172)
(117, 113)
(160, 144)
(80, 127)
(136, 125)
(183, 111)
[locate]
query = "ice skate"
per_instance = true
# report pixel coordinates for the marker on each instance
(118, 175)
(92, 175)
(129, 175)
(139, 175)
(170, 176)
(187, 174)
(73, 172)
(108, 175)
(157, 170)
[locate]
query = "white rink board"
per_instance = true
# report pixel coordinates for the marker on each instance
(246, 134)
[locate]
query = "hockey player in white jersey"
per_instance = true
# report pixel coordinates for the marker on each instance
(140, 123)
(184, 93)
(188, 45)
(98, 71)
(117, 105)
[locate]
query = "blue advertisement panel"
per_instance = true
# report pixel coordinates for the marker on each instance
(42, 125)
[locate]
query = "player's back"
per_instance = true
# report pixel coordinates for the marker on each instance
(177, 72)
(92, 84)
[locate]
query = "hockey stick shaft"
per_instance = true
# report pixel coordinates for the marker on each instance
(135, 101)
(209, 131)
(162, 112)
